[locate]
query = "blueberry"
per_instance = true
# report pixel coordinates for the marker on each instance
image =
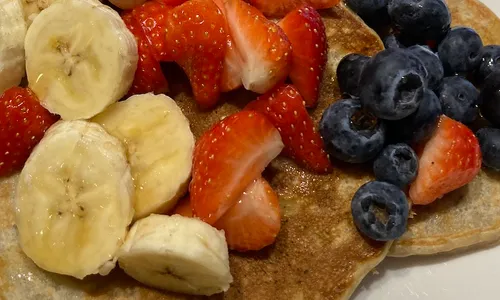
(459, 99)
(489, 140)
(432, 64)
(391, 41)
(349, 133)
(349, 71)
(367, 204)
(391, 84)
(373, 12)
(419, 126)
(489, 59)
(459, 51)
(489, 98)
(396, 164)
(420, 20)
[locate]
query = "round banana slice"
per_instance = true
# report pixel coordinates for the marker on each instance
(12, 33)
(159, 145)
(177, 254)
(80, 58)
(74, 200)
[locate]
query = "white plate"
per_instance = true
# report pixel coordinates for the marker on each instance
(474, 275)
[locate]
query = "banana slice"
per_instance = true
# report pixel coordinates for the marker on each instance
(74, 200)
(177, 254)
(127, 4)
(12, 33)
(160, 147)
(33, 7)
(80, 58)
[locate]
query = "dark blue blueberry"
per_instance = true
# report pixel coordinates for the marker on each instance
(459, 99)
(374, 200)
(391, 41)
(392, 83)
(419, 126)
(489, 59)
(350, 134)
(459, 51)
(373, 12)
(489, 98)
(349, 71)
(432, 64)
(420, 20)
(396, 164)
(489, 140)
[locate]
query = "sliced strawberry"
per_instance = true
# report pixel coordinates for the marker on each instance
(148, 75)
(152, 18)
(23, 122)
(306, 31)
(183, 208)
(197, 39)
(279, 8)
(285, 109)
(255, 220)
(262, 45)
(449, 160)
(227, 158)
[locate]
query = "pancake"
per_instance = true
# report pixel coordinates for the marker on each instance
(469, 216)
(318, 254)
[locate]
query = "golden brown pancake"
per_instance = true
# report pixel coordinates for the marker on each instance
(471, 215)
(318, 254)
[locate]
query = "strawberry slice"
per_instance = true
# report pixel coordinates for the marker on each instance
(262, 45)
(449, 160)
(148, 76)
(279, 8)
(285, 109)
(152, 18)
(24, 122)
(306, 31)
(227, 158)
(255, 220)
(183, 208)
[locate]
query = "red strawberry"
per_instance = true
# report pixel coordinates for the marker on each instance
(306, 31)
(148, 75)
(227, 158)
(183, 208)
(449, 160)
(23, 122)
(196, 37)
(263, 46)
(285, 109)
(152, 18)
(254, 221)
(279, 8)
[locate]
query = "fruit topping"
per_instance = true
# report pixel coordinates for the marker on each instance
(419, 126)
(459, 99)
(380, 211)
(396, 164)
(254, 221)
(279, 8)
(419, 21)
(227, 158)
(391, 41)
(262, 44)
(392, 83)
(285, 109)
(432, 64)
(489, 140)
(23, 122)
(489, 59)
(306, 32)
(349, 73)
(148, 75)
(449, 160)
(351, 134)
(459, 51)
(373, 12)
(489, 98)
